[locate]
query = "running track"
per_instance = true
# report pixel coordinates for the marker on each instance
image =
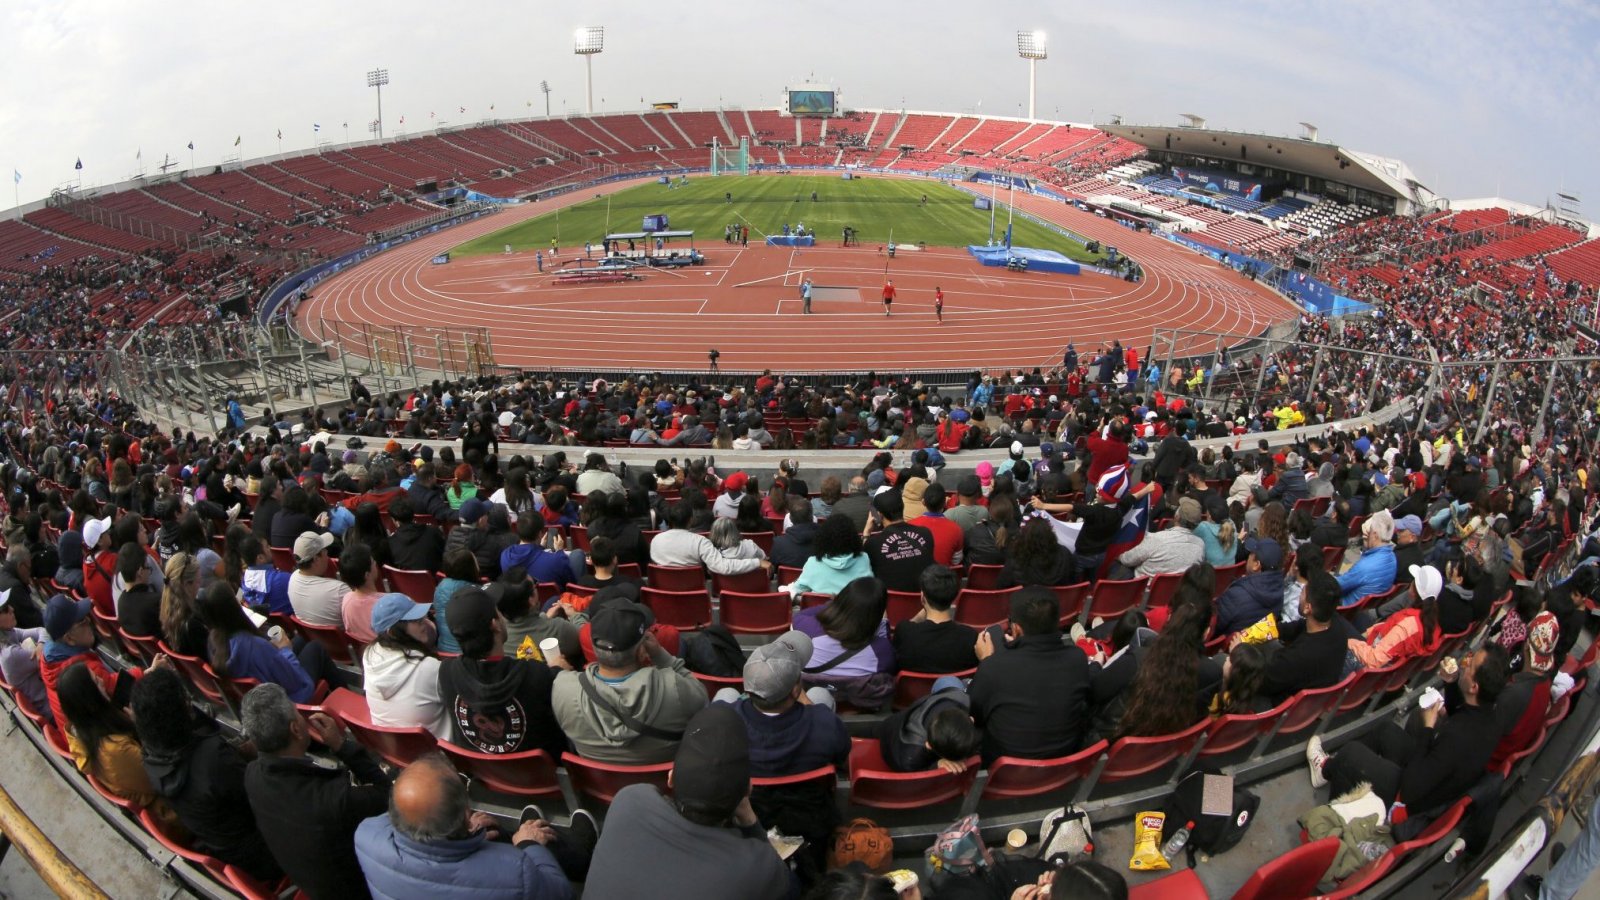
(994, 319)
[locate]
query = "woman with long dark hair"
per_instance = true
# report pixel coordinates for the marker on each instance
(1413, 631)
(516, 496)
(1242, 675)
(1165, 695)
(237, 649)
(181, 626)
(1036, 557)
(103, 742)
(368, 531)
(986, 543)
(849, 636)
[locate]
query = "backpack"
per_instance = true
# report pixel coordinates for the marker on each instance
(714, 651)
(959, 849)
(1211, 834)
(1066, 832)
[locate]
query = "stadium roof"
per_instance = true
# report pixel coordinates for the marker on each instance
(1318, 159)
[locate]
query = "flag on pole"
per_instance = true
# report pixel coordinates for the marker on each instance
(280, 134)
(236, 140)
(315, 127)
(402, 120)
(191, 145)
(491, 107)
(16, 176)
(79, 165)
(140, 154)
(463, 109)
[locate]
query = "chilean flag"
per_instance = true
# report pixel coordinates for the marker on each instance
(1135, 524)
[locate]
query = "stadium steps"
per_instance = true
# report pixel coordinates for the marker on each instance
(687, 141)
(538, 141)
(1021, 139)
(597, 125)
(665, 142)
(955, 146)
(942, 132)
(267, 184)
(891, 138)
(498, 164)
(727, 127)
(877, 119)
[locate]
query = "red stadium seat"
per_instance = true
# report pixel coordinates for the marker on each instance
(398, 746)
(1131, 757)
(684, 610)
(983, 577)
(418, 584)
(531, 773)
(756, 581)
(1011, 777)
(602, 781)
(903, 605)
(1226, 575)
(1294, 874)
(1113, 598)
(755, 613)
(1071, 597)
(341, 647)
(677, 578)
(1162, 589)
(1236, 730)
(980, 609)
(909, 687)
(873, 784)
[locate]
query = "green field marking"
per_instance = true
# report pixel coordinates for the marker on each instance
(875, 207)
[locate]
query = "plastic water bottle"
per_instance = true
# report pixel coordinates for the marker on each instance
(1455, 850)
(1176, 843)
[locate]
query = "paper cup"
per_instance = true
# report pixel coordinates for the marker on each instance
(551, 649)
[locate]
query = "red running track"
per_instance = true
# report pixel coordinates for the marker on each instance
(993, 319)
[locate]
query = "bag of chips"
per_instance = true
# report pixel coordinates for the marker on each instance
(1147, 843)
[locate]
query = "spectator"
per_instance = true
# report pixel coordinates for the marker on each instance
(1424, 765)
(400, 668)
(851, 651)
(316, 598)
(1311, 650)
(426, 498)
(263, 586)
(199, 774)
(237, 651)
(631, 705)
(733, 491)
(1165, 694)
(853, 502)
(1407, 547)
(1522, 706)
(1111, 674)
(932, 641)
(102, 740)
(677, 546)
(1036, 557)
(413, 545)
(969, 509)
(139, 607)
(726, 538)
(545, 559)
(1243, 673)
(19, 656)
(71, 642)
(432, 843)
(1173, 550)
(308, 812)
(836, 559)
(472, 534)
(69, 558)
(935, 730)
(460, 573)
(359, 571)
(295, 518)
(947, 535)
(99, 567)
(526, 626)
(1374, 572)
(1030, 694)
(499, 704)
(793, 548)
(597, 477)
(267, 507)
(899, 551)
(1466, 597)
(616, 522)
(1258, 592)
(367, 530)
(641, 853)
(181, 626)
(603, 556)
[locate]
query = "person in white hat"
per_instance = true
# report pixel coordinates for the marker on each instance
(316, 598)
(99, 562)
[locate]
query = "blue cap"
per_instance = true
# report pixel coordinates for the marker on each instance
(473, 510)
(392, 609)
(1266, 550)
(63, 612)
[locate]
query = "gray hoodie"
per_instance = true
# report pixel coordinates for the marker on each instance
(664, 695)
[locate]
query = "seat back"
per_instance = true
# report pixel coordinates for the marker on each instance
(1071, 598)
(578, 537)
(1011, 777)
(1436, 829)
(1162, 588)
(1365, 683)
(399, 746)
(684, 610)
(418, 584)
(1311, 705)
(602, 781)
(909, 687)
(1236, 730)
(1331, 557)
(762, 539)
(764, 612)
(1294, 874)
(983, 577)
(283, 558)
(341, 647)
(179, 845)
(198, 674)
(676, 578)
(528, 774)
(902, 606)
(1131, 757)
(755, 581)
(1226, 575)
(873, 784)
(788, 575)
(980, 609)
(714, 683)
(1113, 598)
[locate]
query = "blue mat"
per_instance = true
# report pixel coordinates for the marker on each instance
(781, 240)
(1038, 260)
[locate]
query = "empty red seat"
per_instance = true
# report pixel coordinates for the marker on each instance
(980, 609)
(1131, 757)
(983, 577)
(418, 584)
(1311, 705)
(531, 773)
(602, 781)
(1226, 575)
(283, 558)
(766, 612)
(341, 647)
(1113, 598)
(1294, 874)
(909, 687)
(684, 610)
(903, 605)
(1236, 730)
(1011, 776)
(1071, 598)
(1162, 587)
(756, 581)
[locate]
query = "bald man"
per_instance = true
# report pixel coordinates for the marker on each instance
(432, 843)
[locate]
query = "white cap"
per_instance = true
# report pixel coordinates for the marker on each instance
(1427, 580)
(93, 530)
(5, 597)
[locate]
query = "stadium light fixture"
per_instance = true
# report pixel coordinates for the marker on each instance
(1032, 46)
(588, 41)
(545, 86)
(377, 78)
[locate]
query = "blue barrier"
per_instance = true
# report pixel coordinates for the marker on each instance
(1038, 260)
(790, 240)
(1312, 295)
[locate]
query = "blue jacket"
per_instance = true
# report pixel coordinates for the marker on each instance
(474, 868)
(1373, 573)
(1290, 486)
(253, 656)
(265, 585)
(1248, 600)
(799, 739)
(549, 566)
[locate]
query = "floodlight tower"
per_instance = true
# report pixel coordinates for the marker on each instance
(377, 78)
(545, 86)
(588, 41)
(1031, 46)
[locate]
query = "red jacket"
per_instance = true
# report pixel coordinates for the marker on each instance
(950, 433)
(50, 670)
(98, 570)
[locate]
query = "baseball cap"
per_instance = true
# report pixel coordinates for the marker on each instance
(5, 597)
(1189, 512)
(969, 486)
(1046, 448)
(1412, 524)
(473, 510)
(392, 609)
(711, 771)
(1419, 480)
(1543, 633)
(735, 482)
(309, 544)
(63, 612)
(620, 625)
(1266, 550)
(985, 472)
(774, 669)
(470, 612)
(1016, 449)
(1427, 581)
(94, 529)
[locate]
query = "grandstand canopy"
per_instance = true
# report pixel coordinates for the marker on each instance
(1317, 166)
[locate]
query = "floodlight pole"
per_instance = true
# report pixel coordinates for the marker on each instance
(1033, 85)
(589, 40)
(1032, 47)
(377, 78)
(588, 84)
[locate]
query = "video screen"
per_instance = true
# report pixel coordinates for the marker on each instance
(811, 103)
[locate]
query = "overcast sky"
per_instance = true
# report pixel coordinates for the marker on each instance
(1480, 98)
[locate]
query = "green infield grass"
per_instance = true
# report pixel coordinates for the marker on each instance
(877, 208)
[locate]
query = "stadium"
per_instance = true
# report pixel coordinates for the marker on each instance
(1274, 358)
